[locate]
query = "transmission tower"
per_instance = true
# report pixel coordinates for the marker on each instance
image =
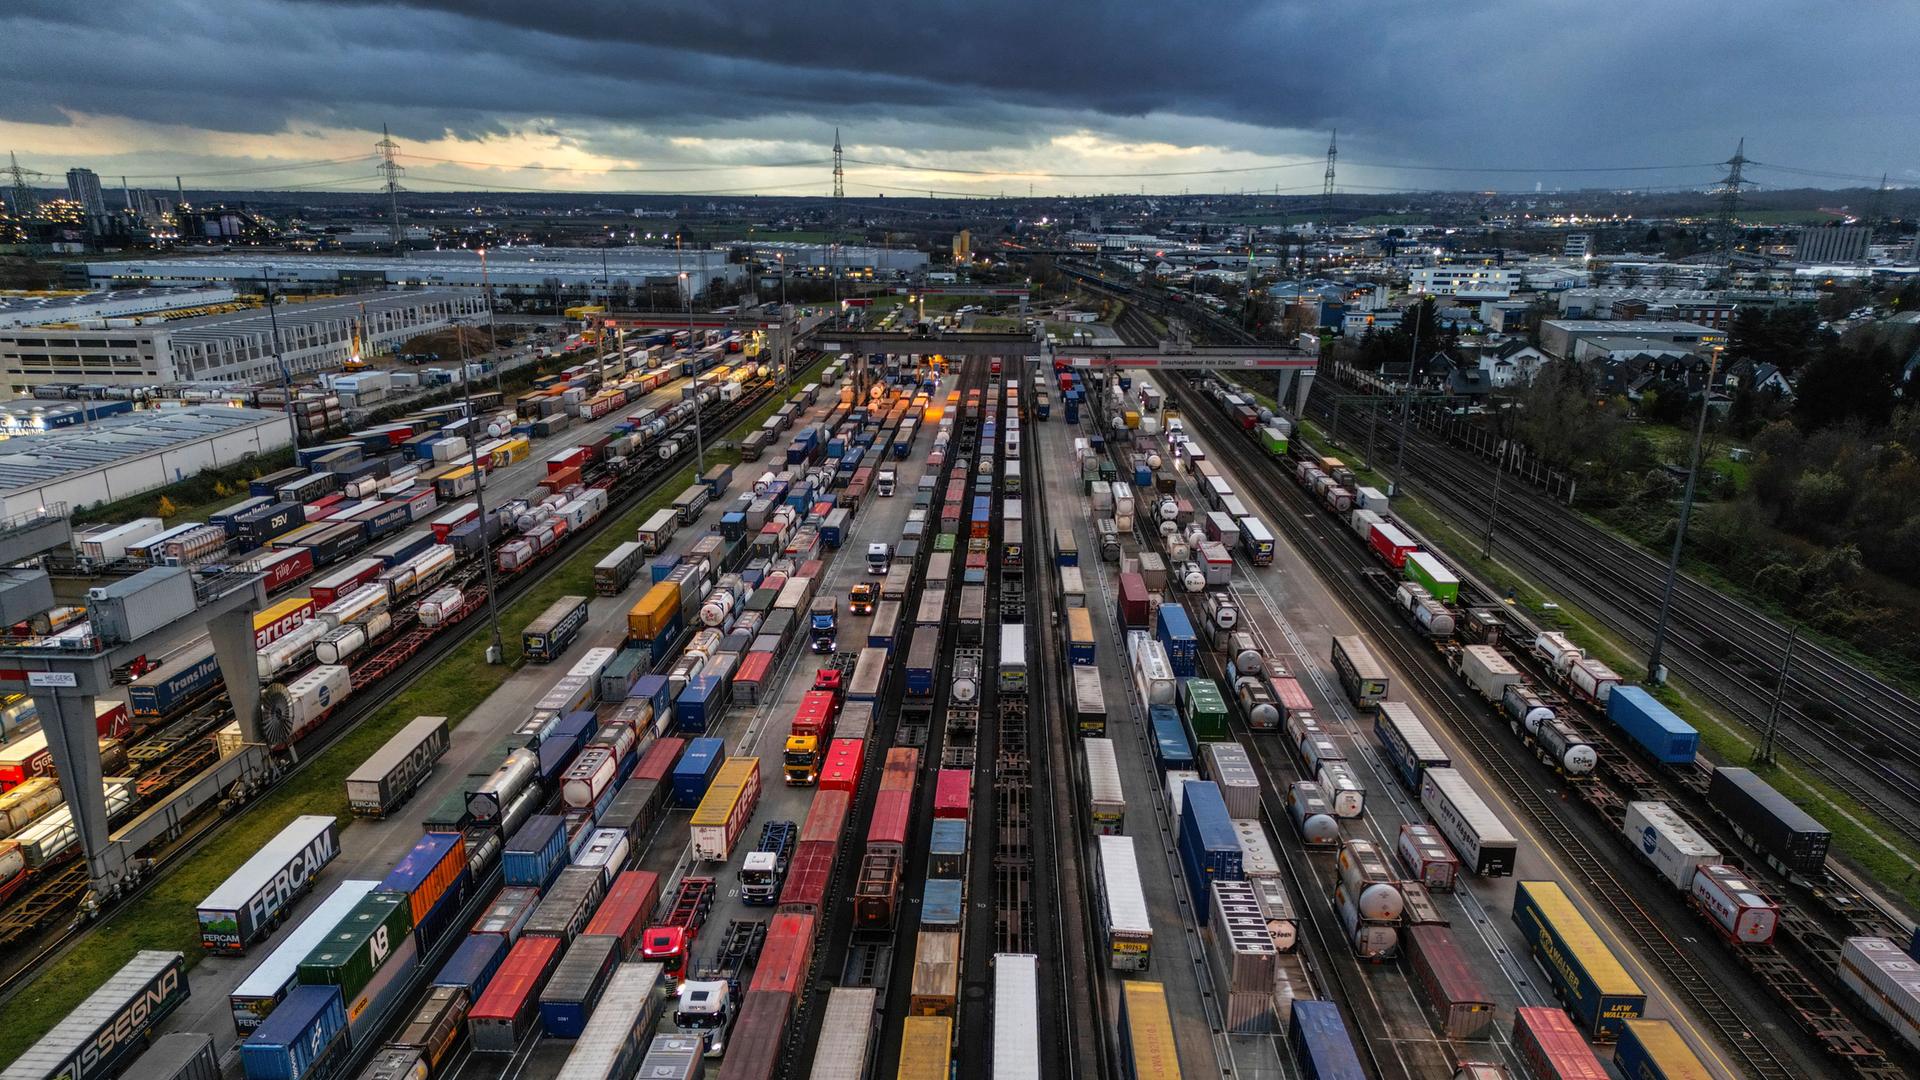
(1730, 202)
(390, 168)
(1326, 190)
(839, 215)
(1876, 207)
(25, 203)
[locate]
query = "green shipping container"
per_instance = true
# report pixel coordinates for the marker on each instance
(1205, 708)
(943, 542)
(1433, 574)
(353, 953)
(1271, 438)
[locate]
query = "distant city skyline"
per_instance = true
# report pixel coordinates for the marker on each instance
(984, 98)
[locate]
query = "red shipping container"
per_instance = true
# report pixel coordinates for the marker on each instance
(845, 758)
(1291, 696)
(787, 955)
(812, 568)
(284, 567)
(347, 579)
(816, 713)
(443, 528)
(627, 909)
(1552, 1047)
(571, 458)
(758, 1044)
(953, 794)
(111, 719)
(1448, 981)
(561, 480)
(658, 761)
(25, 760)
(509, 1004)
(750, 675)
(888, 832)
(1391, 544)
(1133, 601)
(810, 875)
(289, 621)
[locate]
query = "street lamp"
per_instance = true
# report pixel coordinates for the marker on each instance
(496, 649)
(286, 376)
(699, 440)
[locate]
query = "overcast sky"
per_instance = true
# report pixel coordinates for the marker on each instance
(976, 97)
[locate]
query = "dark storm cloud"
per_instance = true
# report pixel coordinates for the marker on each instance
(1536, 84)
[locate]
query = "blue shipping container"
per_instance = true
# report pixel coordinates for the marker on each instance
(1651, 724)
(1170, 746)
(473, 963)
(304, 1036)
(574, 729)
(1209, 848)
(660, 567)
(1175, 631)
(576, 983)
(695, 770)
(159, 693)
(1321, 1046)
(702, 704)
(536, 852)
(444, 916)
(655, 689)
(940, 903)
(555, 754)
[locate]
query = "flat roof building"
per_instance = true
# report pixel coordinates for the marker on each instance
(577, 273)
(32, 309)
(125, 454)
(819, 260)
(1562, 338)
(236, 347)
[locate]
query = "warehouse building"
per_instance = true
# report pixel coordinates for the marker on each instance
(125, 454)
(29, 309)
(570, 274)
(820, 260)
(1575, 339)
(235, 347)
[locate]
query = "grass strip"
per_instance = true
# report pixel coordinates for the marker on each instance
(163, 918)
(1858, 835)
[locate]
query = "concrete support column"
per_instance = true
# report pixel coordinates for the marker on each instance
(232, 635)
(1305, 383)
(66, 716)
(1282, 387)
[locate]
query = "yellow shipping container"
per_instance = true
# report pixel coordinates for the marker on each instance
(269, 616)
(1662, 1044)
(655, 610)
(736, 775)
(926, 1048)
(1150, 1047)
(511, 451)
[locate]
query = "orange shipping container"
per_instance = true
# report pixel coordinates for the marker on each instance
(655, 610)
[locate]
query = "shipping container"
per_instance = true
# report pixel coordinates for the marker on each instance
(1552, 1047)
(473, 963)
(508, 1008)
(1595, 989)
(398, 768)
(1209, 848)
(1447, 980)
(549, 634)
(1147, 1047)
(111, 1026)
(267, 984)
(1644, 719)
(1887, 981)
(1786, 835)
(307, 1036)
(567, 905)
(574, 989)
(253, 900)
(615, 1043)
(1123, 906)
(1409, 746)
(1655, 1050)
(1671, 845)
(1482, 841)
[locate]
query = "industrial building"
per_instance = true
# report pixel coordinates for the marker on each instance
(573, 273)
(236, 347)
(1577, 339)
(1832, 244)
(29, 309)
(110, 458)
(820, 260)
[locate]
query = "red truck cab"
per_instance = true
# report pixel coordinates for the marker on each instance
(671, 943)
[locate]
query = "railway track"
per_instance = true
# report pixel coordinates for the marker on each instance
(1655, 940)
(71, 881)
(1873, 754)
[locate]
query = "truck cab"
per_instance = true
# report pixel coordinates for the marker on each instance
(706, 1005)
(670, 944)
(704, 1010)
(806, 747)
(823, 632)
(862, 597)
(883, 482)
(879, 555)
(765, 869)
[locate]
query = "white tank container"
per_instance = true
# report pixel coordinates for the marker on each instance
(1731, 899)
(1667, 841)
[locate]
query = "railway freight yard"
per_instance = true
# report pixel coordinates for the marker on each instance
(1000, 712)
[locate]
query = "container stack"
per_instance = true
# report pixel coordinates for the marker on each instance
(1245, 958)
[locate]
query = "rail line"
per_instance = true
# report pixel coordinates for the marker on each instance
(640, 483)
(1621, 585)
(1655, 945)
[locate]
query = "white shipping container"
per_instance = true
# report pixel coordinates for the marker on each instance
(1887, 980)
(1487, 671)
(1481, 840)
(1106, 802)
(1177, 780)
(1256, 854)
(1231, 768)
(1668, 842)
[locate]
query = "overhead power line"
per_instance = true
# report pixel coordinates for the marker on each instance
(530, 166)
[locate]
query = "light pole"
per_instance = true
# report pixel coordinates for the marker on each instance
(782, 256)
(286, 377)
(1655, 673)
(496, 649)
(699, 440)
(493, 343)
(1406, 408)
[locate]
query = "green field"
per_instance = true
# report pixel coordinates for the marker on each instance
(455, 687)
